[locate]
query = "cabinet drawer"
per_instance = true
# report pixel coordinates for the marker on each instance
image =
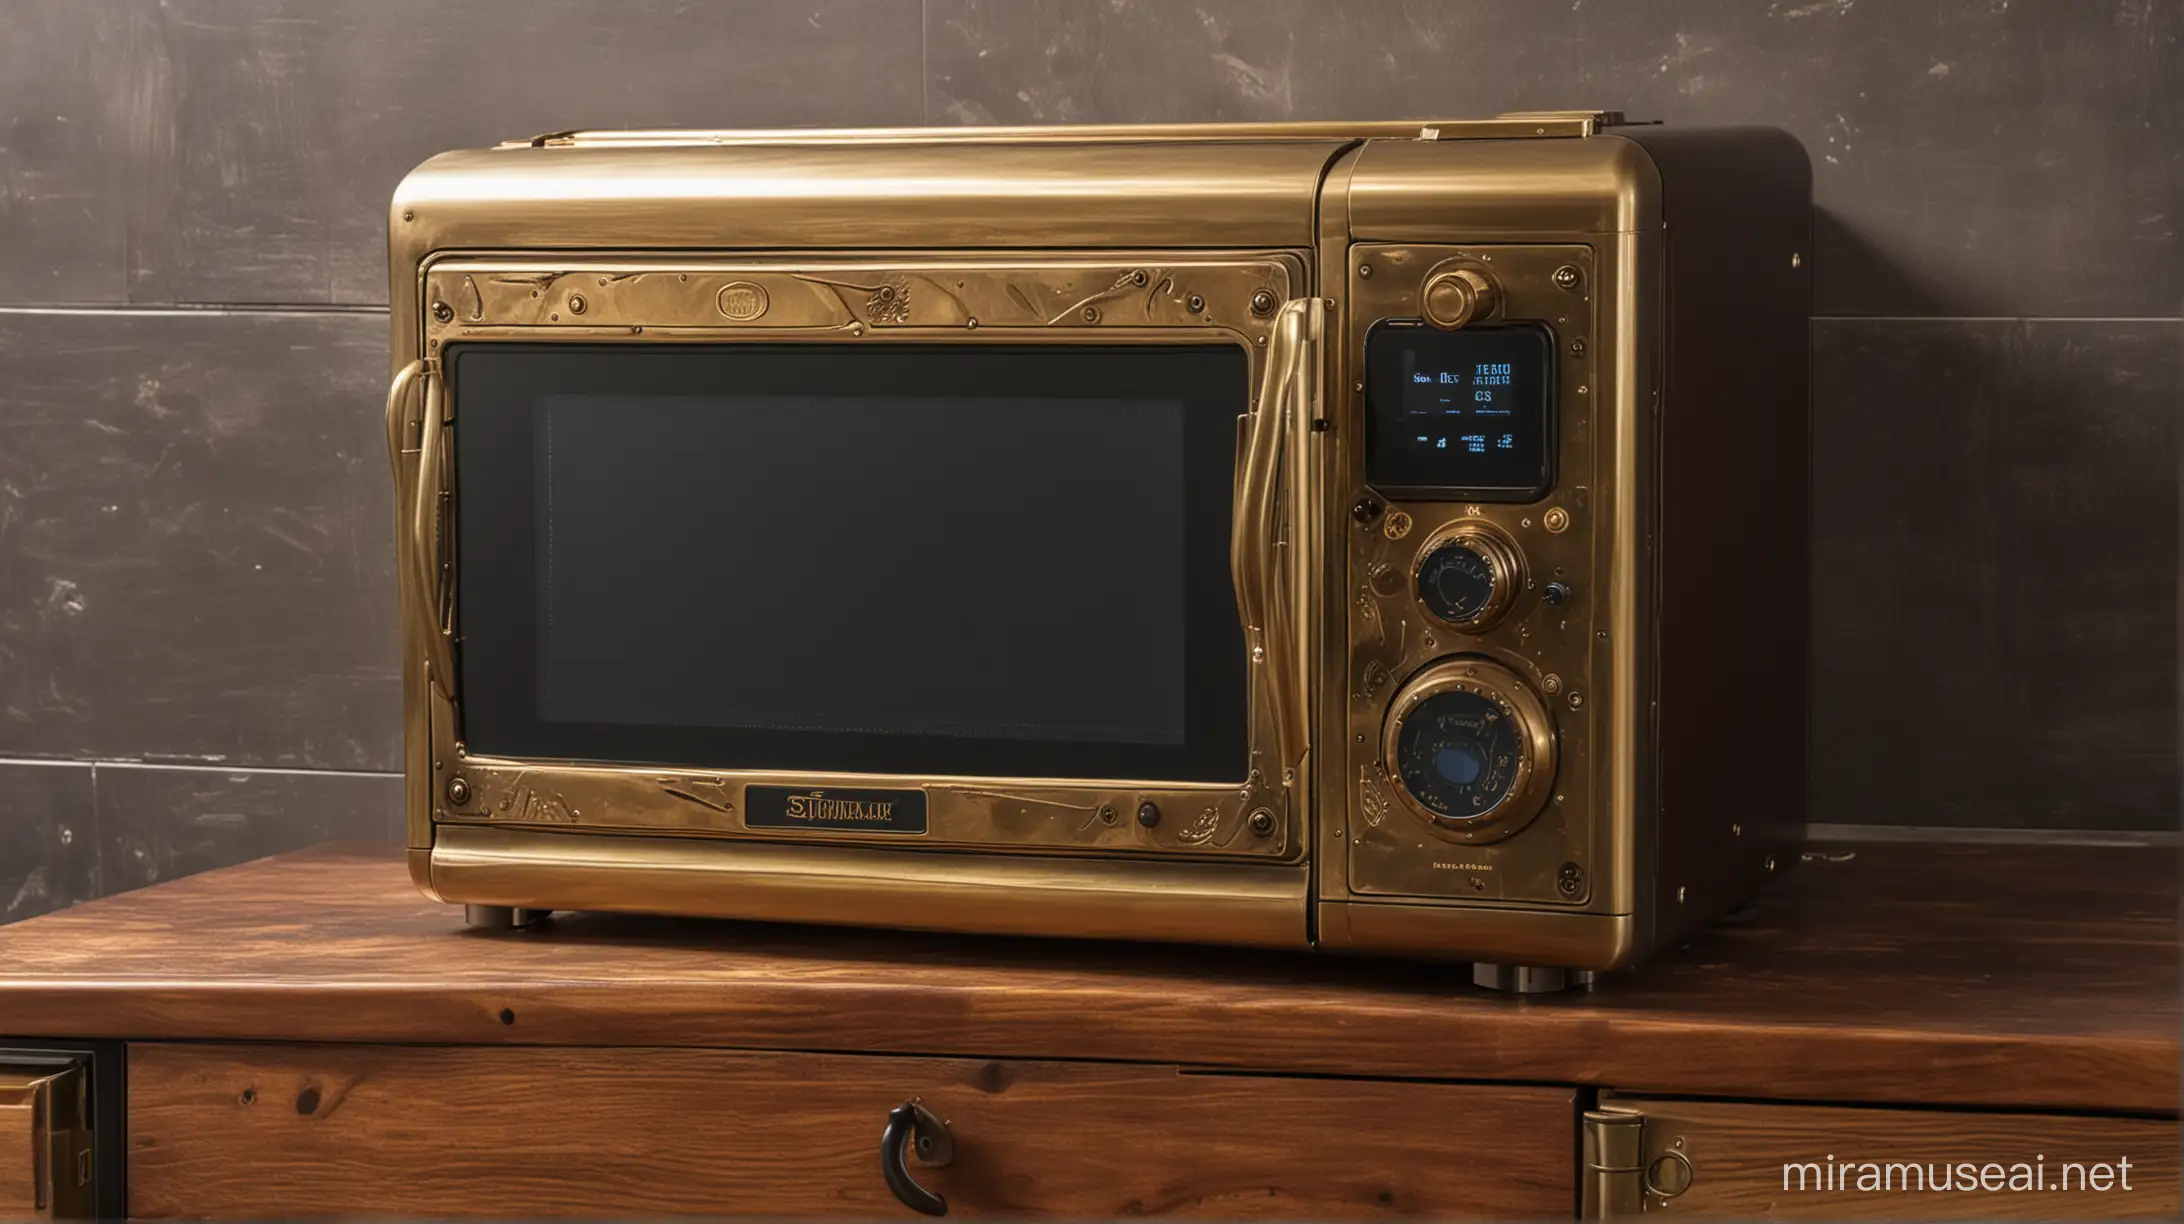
(1823, 1162)
(446, 1131)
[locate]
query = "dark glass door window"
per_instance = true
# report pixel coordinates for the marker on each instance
(986, 560)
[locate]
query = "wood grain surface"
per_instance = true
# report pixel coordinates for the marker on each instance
(20, 1198)
(1816, 1162)
(2043, 976)
(418, 1131)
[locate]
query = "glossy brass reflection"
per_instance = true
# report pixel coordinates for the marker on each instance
(1291, 242)
(1535, 737)
(1106, 297)
(1496, 549)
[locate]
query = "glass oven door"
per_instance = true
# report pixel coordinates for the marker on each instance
(969, 555)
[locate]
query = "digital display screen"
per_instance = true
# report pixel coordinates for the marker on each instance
(1459, 414)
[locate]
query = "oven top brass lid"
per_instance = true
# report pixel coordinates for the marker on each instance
(1527, 125)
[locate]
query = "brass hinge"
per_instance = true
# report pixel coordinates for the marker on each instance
(1623, 1175)
(1611, 1179)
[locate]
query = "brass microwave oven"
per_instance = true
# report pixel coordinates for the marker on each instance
(1375, 536)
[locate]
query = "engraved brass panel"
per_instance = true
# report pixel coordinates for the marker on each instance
(1393, 638)
(1158, 298)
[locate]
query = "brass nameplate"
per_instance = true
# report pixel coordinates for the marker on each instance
(832, 809)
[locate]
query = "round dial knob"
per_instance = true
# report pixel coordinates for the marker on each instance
(1456, 297)
(1468, 574)
(1470, 749)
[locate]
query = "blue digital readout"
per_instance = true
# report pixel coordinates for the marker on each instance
(1463, 410)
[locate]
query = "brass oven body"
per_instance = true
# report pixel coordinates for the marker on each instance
(1664, 693)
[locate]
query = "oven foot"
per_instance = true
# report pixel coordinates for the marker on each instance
(1528, 979)
(501, 917)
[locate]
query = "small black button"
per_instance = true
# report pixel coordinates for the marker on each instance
(1557, 593)
(1148, 815)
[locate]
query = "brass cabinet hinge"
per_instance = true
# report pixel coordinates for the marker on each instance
(1617, 1177)
(1611, 1177)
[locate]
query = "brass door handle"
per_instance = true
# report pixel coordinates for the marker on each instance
(419, 528)
(1273, 528)
(912, 1126)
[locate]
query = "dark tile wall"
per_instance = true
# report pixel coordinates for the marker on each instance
(196, 602)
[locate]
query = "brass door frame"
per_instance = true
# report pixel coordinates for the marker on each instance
(1249, 299)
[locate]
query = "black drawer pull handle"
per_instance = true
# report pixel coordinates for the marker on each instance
(929, 1136)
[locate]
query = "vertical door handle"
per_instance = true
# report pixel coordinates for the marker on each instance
(1274, 527)
(419, 529)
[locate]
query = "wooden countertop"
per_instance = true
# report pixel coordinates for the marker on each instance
(1977, 975)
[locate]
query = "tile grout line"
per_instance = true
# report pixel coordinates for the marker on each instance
(95, 764)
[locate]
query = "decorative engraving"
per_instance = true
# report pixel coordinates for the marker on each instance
(1124, 283)
(477, 299)
(742, 300)
(524, 802)
(1091, 811)
(711, 794)
(1372, 801)
(886, 300)
(1201, 829)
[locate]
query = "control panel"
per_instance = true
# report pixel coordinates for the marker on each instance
(1473, 603)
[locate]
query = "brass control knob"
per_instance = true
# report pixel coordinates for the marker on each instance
(1467, 574)
(1469, 749)
(1456, 297)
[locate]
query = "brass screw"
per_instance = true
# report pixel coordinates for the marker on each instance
(1577, 348)
(1397, 525)
(1552, 683)
(1262, 822)
(1577, 701)
(1364, 271)
(1138, 277)
(458, 791)
(1262, 302)
(1195, 303)
(576, 303)
(1566, 277)
(1107, 814)
(1091, 314)
(1557, 519)
(443, 312)
(409, 215)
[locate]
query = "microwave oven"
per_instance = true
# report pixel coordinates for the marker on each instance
(1387, 537)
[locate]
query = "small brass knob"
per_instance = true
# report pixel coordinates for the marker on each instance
(1457, 297)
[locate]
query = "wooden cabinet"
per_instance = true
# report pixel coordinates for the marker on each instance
(308, 1036)
(1741, 1160)
(387, 1130)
